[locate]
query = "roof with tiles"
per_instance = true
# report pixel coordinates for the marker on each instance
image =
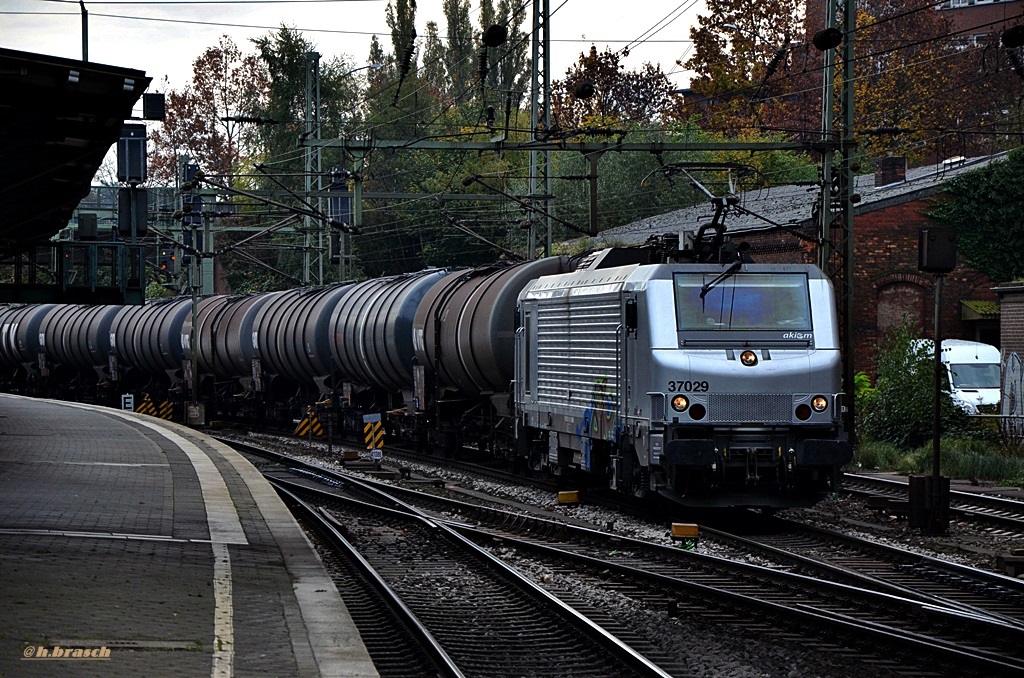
(792, 206)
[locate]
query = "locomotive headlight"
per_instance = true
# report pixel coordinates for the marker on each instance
(680, 403)
(819, 403)
(748, 358)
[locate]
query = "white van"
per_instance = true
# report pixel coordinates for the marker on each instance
(973, 371)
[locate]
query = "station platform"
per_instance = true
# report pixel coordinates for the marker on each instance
(133, 546)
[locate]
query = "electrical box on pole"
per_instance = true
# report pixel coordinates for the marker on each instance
(192, 210)
(131, 154)
(153, 106)
(936, 250)
(87, 229)
(132, 212)
(335, 247)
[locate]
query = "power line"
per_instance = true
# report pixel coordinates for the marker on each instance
(664, 24)
(197, 22)
(203, 2)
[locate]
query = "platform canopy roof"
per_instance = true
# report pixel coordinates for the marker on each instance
(58, 119)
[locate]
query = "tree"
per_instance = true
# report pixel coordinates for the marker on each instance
(225, 83)
(507, 79)
(737, 48)
(984, 207)
(277, 121)
(458, 56)
(285, 55)
(904, 80)
(920, 91)
(434, 72)
(400, 16)
(642, 96)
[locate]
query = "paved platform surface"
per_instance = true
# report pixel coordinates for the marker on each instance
(130, 546)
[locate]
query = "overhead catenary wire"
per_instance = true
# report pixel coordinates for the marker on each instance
(659, 26)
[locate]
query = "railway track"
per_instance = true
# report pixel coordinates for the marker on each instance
(485, 617)
(824, 553)
(866, 615)
(398, 643)
(998, 512)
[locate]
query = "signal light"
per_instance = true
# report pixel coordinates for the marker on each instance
(819, 403)
(803, 412)
(165, 261)
(680, 403)
(748, 358)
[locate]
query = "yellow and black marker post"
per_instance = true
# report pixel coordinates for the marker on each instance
(146, 406)
(310, 425)
(373, 433)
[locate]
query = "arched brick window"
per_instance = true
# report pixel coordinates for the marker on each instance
(897, 299)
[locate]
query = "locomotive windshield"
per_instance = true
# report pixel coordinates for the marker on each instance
(745, 301)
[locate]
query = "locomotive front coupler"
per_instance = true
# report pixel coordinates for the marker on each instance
(786, 470)
(751, 460)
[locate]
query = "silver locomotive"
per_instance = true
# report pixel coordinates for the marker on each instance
(716, 384)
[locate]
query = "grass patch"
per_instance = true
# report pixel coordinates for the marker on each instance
(964, 458)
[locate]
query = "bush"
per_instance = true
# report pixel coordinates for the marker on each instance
(899, 409)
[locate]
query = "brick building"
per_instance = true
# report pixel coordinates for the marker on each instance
(1011, 303)
(887, 284)
(980, 21)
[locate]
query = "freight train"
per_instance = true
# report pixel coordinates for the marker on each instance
(650, 369)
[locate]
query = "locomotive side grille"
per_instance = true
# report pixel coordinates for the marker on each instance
(657, 406)
(743, 407)
(577, 351)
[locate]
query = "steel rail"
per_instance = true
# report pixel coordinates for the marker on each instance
(595, 632)
(805, 615)
(923, 603)
(967, 504)
(432, 648)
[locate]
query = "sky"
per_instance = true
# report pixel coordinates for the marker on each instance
(163, 37)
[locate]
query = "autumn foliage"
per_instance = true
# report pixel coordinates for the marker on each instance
(224, 84)
(618, 95)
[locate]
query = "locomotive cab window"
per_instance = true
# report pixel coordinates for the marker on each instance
(744, 301)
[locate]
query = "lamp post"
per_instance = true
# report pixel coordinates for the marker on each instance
(85, 31)
(367, 67)
(371, 67)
